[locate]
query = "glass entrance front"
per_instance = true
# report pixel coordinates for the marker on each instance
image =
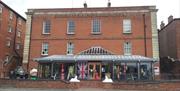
(94, 71)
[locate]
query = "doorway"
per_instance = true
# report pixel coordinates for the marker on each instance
(94, 71)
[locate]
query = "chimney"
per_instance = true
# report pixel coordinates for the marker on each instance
(162, 25)
(170, 18)
(85, 5)
(109, 3)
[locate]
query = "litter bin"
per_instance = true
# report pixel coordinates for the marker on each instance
(33, 77)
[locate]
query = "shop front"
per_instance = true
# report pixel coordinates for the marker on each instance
(96, 67)
(95, 63)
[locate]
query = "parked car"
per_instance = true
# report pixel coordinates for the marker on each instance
(18, 73)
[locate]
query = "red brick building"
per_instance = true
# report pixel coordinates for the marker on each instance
(12, 30)
(169, 36)
(68, 32)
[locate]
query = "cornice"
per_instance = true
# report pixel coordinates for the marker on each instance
(90, 13)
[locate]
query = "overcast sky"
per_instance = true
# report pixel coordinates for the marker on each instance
(166, 7)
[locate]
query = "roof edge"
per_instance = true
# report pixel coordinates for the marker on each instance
(5, 5)
(150, 7)
(175, 19)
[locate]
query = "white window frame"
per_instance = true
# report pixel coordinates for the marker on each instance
(45, 26)
(11, 15)
(69, 26)
(19, 33)
(70, 48)
(1, 9)
(127, 48)
(6, 59)
(127, 26)
(10, 29)
(18, 45)
(97, 23)
(19, 21)
(8, 43)
(45, 45)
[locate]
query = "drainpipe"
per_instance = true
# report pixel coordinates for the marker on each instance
(145, 44)
(14, 44)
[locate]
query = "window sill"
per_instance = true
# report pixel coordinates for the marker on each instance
(69, 54)
(44, 54)
(127, 54)
(127, 33)
(45, 33)
(96, 33)
(70, 33)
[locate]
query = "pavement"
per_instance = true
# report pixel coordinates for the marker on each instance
(42, 89)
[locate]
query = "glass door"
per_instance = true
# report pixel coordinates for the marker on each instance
(94, 71)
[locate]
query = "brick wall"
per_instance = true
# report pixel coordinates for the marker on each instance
(5, 23)
(178, 38)
(150, 86)
(111, 37)
(169, 40)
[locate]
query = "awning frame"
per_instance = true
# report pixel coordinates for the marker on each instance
(87, 58)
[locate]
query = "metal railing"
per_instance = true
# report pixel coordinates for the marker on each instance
(133, 77)
(168, 76)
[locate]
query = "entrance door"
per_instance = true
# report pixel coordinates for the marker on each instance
(94, 71)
